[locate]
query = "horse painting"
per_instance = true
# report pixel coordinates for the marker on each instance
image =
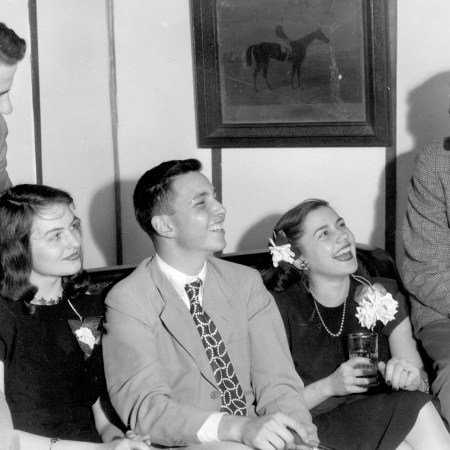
(262, 53)
(299, 49)
(265, 50)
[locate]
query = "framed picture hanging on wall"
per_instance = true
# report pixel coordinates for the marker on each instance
(291, 73)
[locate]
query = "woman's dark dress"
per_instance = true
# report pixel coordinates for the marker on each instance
(379, 419)
(49, 385)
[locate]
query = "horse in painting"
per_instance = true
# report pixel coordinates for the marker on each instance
(299, 48)
(263, 52)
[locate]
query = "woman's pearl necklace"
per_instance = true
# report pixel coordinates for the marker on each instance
(323, 323)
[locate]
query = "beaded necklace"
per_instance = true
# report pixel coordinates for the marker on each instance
(322, 321)
(43, 301)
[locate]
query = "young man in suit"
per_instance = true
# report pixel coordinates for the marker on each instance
(195, 353)
(12, 50)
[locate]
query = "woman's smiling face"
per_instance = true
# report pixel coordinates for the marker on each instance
(55, 242)
(327, 244)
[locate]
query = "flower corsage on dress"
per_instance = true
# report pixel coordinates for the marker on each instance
(87, 331)
(375, 303)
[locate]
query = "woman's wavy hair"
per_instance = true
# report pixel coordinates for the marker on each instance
(289, 230)
(18, 207)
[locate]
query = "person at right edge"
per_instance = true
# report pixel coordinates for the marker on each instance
(426, 264)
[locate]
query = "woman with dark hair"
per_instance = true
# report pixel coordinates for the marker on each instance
(322, 300)
(51, 369)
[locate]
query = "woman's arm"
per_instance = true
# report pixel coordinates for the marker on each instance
(9, 440)
(403, 345)
(317, 392)
(405, 369)
(346, 379)
(107, 430)
(30, 441)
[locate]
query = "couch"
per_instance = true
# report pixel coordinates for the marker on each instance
(372, 261)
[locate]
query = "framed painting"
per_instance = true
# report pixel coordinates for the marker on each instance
(291, 73)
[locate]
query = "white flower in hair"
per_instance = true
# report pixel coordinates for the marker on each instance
(281, 253)
(375, 303)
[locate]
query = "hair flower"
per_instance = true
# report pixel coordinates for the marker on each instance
(281, 253)
(375, 303)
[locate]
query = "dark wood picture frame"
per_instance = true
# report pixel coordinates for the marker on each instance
(214, 129)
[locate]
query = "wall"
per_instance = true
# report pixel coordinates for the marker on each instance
(422, 88)
(156, 122)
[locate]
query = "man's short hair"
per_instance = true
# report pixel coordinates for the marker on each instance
(154, 194)
(12, 47)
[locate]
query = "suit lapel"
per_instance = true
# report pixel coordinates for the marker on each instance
(180, 323)
(216, 302)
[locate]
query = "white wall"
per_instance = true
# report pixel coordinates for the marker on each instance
(157, 122)
(75, 115)
(423, 87)
(155, 99)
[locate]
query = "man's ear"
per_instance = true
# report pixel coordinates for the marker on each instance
(162, 226)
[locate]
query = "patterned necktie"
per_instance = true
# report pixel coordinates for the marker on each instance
(233, 398)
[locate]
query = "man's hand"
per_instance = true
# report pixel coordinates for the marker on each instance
(267, 432)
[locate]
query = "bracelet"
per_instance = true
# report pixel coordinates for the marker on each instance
(425, 385)
(53, 441)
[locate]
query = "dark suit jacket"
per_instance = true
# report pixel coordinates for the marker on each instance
(159, 378)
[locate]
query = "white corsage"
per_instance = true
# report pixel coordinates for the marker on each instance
(281, 253)
(85, 335)
(88, 333)
(375, 303)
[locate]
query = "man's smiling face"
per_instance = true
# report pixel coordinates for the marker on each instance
(197, 217)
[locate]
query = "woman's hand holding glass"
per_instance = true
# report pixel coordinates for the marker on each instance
(400, 374)
(351, 377)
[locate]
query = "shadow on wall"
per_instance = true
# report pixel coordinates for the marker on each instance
(378, 237)
(428, 121)
(257, 237)
(135, 245)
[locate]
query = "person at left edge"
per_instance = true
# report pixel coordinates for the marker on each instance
(12, 50)
(51, 369)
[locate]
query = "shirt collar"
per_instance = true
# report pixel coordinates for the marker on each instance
(179, 279)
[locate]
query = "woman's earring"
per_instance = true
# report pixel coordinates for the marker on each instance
(301, 264)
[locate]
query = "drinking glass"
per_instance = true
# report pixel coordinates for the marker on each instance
(366, 346)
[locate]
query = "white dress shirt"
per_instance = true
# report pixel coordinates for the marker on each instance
(208, 431)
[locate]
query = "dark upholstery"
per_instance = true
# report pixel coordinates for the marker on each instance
(373, 262)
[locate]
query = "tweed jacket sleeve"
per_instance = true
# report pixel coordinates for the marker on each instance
(426, 236)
